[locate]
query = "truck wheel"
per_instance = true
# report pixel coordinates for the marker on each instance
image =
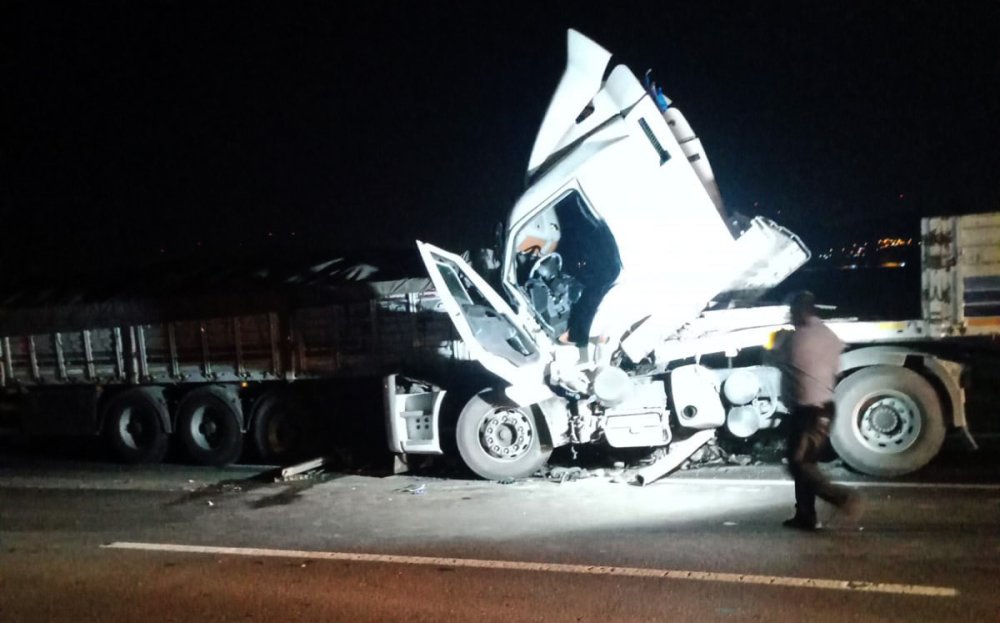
(889, 421)
(497, 439)
(209, 427)
(133, 424)
(281, 430)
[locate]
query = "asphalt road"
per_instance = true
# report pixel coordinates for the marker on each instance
(94, 542)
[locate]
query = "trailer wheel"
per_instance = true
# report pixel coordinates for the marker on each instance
(889, 421)
(133, 425)
(208, 425)
(497, 439)
(281, 430)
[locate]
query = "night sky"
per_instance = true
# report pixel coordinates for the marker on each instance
(137, 132)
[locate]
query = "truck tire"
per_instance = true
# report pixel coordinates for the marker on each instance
(889, 421)
(133, 425)
(281, 430)
(497, 439)
(208, 425)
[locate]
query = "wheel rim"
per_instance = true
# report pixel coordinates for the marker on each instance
(133, 431)
(887, 422)
(206, 428)
(506, 434)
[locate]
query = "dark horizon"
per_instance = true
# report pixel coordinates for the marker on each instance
(143, 133)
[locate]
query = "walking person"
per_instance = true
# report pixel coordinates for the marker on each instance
(810, 360)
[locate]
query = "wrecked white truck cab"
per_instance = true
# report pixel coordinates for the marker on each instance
(621, 269)
(619, 241)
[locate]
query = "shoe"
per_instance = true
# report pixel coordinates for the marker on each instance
(802, 523)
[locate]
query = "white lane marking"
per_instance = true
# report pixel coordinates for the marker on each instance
(780, 482)
(510, 565)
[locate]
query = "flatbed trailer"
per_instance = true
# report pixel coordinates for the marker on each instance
(274, 367)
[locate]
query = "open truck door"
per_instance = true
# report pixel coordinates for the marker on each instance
(498, 433)
(490, 329)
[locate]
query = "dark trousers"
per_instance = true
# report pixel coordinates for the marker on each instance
(809, 434)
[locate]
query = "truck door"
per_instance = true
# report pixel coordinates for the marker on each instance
(484, 320)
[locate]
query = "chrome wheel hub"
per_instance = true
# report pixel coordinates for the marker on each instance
(506, 434)
(888, 423)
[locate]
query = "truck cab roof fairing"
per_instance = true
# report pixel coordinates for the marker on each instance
(580, 82)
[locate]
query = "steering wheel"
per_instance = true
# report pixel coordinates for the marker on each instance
(546, 267)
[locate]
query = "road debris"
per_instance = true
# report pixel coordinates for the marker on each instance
(741, 459)
(680, 451)
(567, 474)
(301, 468)
(414, 489)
